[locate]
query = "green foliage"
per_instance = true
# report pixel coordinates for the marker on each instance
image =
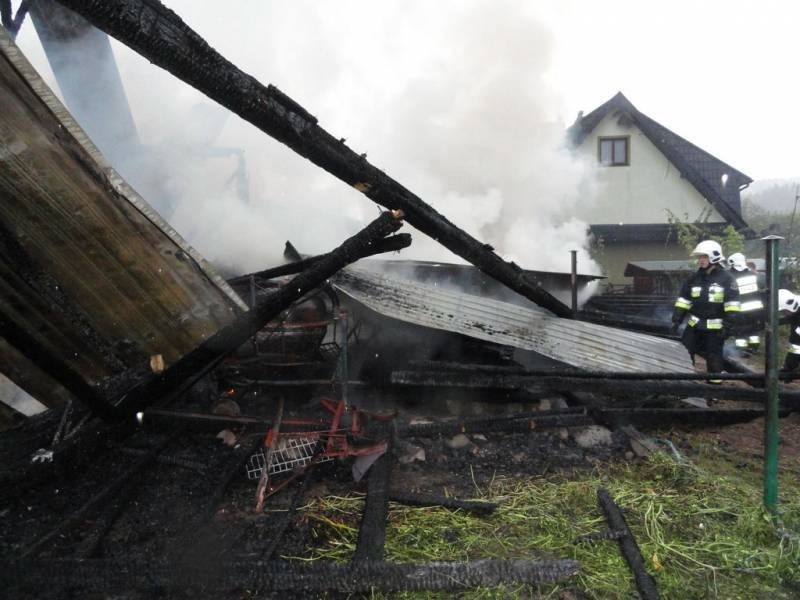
(690, 233)
(700, 527)
(784, 224)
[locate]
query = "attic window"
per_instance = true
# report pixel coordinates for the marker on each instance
(613, 151)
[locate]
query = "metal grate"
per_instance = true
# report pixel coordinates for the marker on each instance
(290, 453)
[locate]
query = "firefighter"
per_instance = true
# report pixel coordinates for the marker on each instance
(750, 321)
(711, 299)
(788, 304)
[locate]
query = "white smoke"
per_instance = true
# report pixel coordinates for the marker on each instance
(450, 98)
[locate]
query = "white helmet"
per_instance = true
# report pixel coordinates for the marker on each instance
(788, 301)
(711, 249)
(737, 261)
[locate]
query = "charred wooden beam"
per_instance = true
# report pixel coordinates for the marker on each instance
(586, 374)
(158, 34)
(55, 366)
(608, 387)
(628, 546)
(159, 418)
(523, 423)
(663, 417)
(191, 367)
(390, 244)
(372, 531)
(121, 575)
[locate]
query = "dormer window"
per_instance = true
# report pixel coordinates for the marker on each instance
(613, 151)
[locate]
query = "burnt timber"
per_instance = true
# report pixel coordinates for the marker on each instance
(390, 244)
(159, 35)
(191, 367)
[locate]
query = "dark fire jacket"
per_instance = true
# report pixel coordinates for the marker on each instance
(792, 361)
(710, 298)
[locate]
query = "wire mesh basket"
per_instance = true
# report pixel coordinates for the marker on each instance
(289, 454)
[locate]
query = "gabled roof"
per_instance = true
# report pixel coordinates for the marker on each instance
(703, 170)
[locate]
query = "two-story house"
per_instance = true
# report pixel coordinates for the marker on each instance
(646, 173)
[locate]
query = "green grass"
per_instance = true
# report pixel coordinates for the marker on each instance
(699, 525)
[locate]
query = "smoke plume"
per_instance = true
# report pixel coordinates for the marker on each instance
(450, 98)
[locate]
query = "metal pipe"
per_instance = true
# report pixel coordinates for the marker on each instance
(771, 371)
(343, 369)
(574, 280)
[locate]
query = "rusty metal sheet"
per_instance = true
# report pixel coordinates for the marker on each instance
(88, 270)
(583, 345)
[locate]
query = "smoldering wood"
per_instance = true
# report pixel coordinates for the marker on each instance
(628, 546)
(523, 423)
(686, 417)
(390, 244)
(54, 366)
(617, 388)
(179, 377)
(586, 374)
(121, 575)
(159, 35)
(158, 418)
(372, 530)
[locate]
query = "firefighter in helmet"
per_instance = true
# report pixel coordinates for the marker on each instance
(788, 305)
(750, 321)
(710, 299)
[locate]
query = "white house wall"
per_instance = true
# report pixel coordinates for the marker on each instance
(642, 191)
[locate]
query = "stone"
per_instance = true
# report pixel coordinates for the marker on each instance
(592, 436)
(552, 403)
(410, 453)
(458, 442)
(698, 402)
(563, 434)
(228, 437)
(228, 408)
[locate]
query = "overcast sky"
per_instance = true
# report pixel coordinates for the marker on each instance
(465, 103)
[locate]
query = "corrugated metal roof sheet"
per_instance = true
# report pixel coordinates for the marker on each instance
(583, 345)
(87, 269)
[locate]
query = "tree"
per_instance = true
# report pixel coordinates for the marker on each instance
(690, 233)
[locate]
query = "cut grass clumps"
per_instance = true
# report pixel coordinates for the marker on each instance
(701, 530)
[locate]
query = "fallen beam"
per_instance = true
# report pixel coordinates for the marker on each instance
(179, 377)
(628, 546)
(159, 35)
(609, 387)
(159, 418)
(663, 417)
(372, 531)
(390, 244)
(586, 374)
(524, 423)
(25, 578)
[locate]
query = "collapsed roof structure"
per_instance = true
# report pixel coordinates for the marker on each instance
(104, 305)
